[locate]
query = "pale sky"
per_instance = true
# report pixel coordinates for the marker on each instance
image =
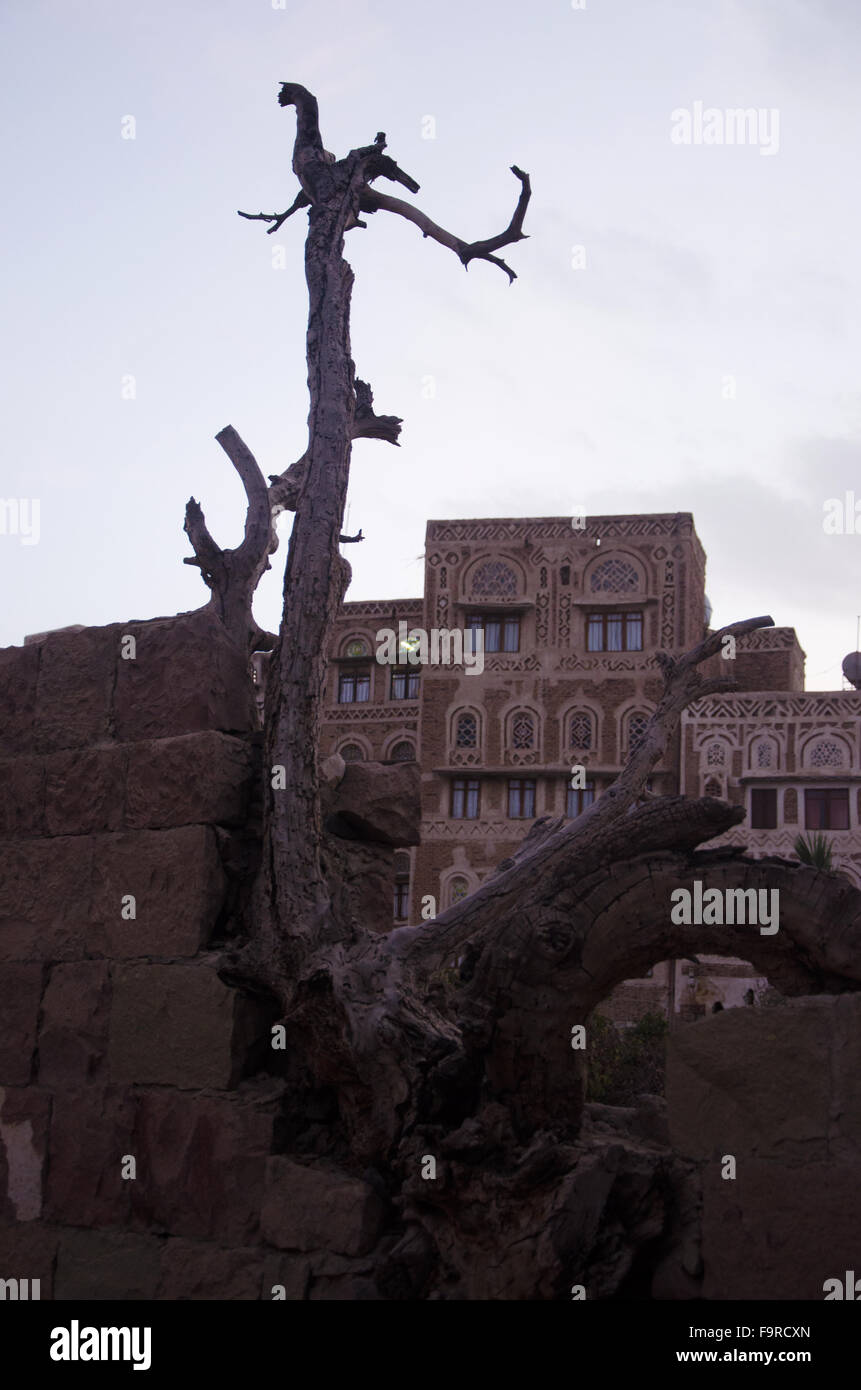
(704, 358)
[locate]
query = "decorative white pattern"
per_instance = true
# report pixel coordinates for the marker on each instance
(614, 576)
(826, 752)
(494, 579)
(580, 731)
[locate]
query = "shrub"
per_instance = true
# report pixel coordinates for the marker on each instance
(625, 1063)
(815, 850)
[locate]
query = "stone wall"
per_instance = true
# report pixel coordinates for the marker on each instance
(777, 1090)
(128, 830)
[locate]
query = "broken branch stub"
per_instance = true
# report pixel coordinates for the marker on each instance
(233, 575)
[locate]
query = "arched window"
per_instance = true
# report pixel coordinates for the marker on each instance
(638, 722)
(494, 579)
(466, 732)
(403, 752)
(614, 576)
(716, 754)
(458, 888)
(581, 730)
(826, 752)
(402, 888)
(765, 754)
(523, 731)
(713, 788)
(352, 753)
(357, 646)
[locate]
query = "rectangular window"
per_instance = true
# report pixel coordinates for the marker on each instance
(354, 687)
(464, 798)
(579, 798)
(405, 685)
(402, 901)
(763, 808)
(500, 635)
(614, 632)
(521, 798)
(826, 808)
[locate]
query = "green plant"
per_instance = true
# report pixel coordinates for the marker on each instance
(625, 1062)
(814, 850)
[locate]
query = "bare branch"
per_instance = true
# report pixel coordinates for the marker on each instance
(466, 251)
(233, 575)
(367, 425)
(276, 218)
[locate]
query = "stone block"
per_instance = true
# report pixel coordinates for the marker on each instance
(21, 993)
(84, 790)
(778, 1232)
(107, 1265)
(196, 1269)
(74, 688)
(178, 884)
(201, 1165)
(291, 1272)
(46, 881)
(28, 1251)
(317, 1209)
(178, 1025)
(92, 1129)
(195, 778)
(73, 1037)
(377, 802)
(19, 670)
(56, 940)
(753, 1081)
(22, 797)
(844, 1127)
(187, 675)
(24, 1119)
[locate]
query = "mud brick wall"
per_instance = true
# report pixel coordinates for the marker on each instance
(128, 777)
(778, 1090)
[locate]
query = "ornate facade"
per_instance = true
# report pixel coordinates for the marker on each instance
(571, 620)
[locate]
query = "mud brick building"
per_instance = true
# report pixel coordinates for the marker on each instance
(572, 616)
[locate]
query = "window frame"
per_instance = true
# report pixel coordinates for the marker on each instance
(763, 797)
(577, 794)
(522, 791)
(411, 680)
(463, 715)
(502, 623)
(831, 796)
(625, 616)
(351, 679)
(462, 791)
(401, 898)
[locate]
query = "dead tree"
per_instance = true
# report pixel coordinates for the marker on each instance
(483, 1067)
